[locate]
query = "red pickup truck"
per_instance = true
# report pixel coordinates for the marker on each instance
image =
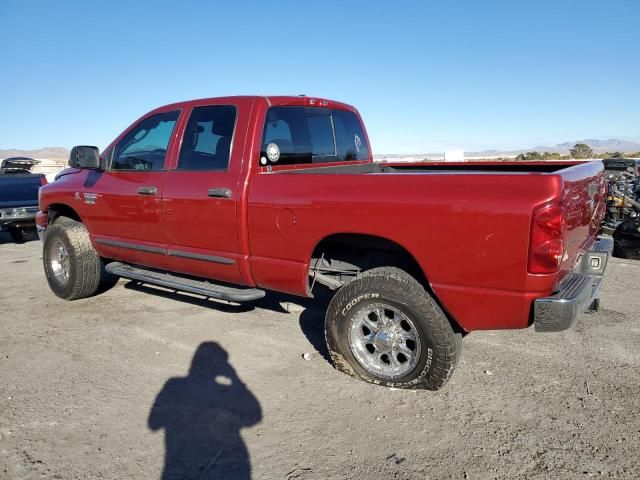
(229, 197)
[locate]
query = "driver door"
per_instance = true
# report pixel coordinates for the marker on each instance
(125, 215)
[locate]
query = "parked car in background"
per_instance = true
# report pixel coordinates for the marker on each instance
(19, 196)
(230, 197)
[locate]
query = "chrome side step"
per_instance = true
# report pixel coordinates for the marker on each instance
(184, 284)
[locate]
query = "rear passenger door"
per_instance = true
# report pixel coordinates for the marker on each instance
(200, 196)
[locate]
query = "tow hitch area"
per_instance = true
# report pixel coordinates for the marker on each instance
(577, 293)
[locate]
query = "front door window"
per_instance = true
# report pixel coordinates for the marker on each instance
(145, 146)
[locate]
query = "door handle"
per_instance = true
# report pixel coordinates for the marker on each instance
(219, 192)
(147, 190)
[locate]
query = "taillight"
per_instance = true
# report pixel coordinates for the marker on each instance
(43, 180)
(546, 245)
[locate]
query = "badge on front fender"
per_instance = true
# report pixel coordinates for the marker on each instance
(90, 198)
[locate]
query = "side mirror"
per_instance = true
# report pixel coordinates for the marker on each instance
(84, 156)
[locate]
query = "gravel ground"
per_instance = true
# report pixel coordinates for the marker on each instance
(138, 381)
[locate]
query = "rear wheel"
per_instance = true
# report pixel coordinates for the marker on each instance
(386, 329)
(72, 266)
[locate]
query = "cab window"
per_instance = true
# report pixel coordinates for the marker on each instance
(296, 135)
(145, 146)
(350, 140)
(206, 144)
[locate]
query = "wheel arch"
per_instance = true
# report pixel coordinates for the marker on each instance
(358, 251)
(338, 258)
(56, 210)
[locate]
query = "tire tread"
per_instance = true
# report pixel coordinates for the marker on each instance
(400, 284)
(87, 268)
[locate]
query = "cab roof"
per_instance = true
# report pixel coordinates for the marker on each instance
(272, 100)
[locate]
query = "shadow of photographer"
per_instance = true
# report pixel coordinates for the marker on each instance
(202, 415)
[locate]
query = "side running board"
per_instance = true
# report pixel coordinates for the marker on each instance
(175, 282)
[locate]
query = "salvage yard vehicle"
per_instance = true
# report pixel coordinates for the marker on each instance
(622, 218)
(622, 196)
(230, 197)
(626, 238)
(614, 165)
(19, 196)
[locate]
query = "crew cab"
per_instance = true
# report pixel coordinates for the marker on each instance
(235, 196)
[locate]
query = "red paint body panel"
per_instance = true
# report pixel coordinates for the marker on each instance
(462, 243)
(468, 230)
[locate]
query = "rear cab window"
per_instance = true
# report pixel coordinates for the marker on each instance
(296, 135)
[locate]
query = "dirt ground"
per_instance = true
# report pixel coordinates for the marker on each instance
(139, 380)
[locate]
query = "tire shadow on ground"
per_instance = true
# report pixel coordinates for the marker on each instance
(312, 325)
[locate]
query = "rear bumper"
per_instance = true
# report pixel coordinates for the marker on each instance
(577, 293)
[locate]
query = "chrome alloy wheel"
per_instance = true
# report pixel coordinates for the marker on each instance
(384, 340)
(59, 261)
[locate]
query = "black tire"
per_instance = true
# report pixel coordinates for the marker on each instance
(85, 274)
(435, 359)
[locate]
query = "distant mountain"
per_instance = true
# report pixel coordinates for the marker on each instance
(48, 153)
(598, 146)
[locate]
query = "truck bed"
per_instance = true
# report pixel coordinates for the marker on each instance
(469, 224)
(450, 167)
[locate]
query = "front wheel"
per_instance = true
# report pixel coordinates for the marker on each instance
(386, 329)
(72, 266)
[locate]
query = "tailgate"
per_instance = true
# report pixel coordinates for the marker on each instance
(584, 197)
(17, 190)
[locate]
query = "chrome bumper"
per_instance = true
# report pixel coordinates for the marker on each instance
(17, 214)
(577, 293)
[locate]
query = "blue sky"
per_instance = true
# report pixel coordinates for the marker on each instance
(426, 75)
